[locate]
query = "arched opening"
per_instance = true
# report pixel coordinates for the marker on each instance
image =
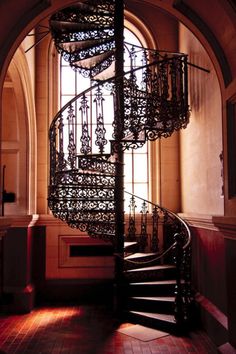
(19, 137)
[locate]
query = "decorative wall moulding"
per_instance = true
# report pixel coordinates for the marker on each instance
(227, 225)
(18, 221)
(199, 221)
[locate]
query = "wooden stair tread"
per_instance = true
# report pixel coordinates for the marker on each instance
(156, 316)
(93, 61)
(106, 73)
(75, 46)
(139, 255)
(129, 244)
(156, 282)
(155, 298)
(156, 267)
(61, 25)
(89, 7)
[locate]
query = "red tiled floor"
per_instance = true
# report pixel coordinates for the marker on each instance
(85, 330)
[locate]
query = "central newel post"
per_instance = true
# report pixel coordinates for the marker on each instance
(119, 154)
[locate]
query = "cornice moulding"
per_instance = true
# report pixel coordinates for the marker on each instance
(199, 221)
(227, 225)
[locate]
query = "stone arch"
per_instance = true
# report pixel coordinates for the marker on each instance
(21, 145)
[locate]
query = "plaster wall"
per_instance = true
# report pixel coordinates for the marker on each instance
(42, 113)
(14, 145)
(29, 50)
(201, 142)
(61, 265)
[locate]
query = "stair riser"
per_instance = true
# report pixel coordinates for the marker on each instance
(153, 323)
(148, 290)
(152, 306)
(130, 250)
(164, 274)
(128, 265)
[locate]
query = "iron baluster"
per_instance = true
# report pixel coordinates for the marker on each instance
(174, 73)
(53, 153)
(100, 130)
(178, 256)
(132, 56)
(155, 239)
(186, 286)
(61, 154)
(184, 90)
(133, 104)
(71, 137)
(144, 61)
(132, 223)
(143, 234)
(85, 137)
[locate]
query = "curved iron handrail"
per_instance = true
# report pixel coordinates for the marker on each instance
(169, 212)
(101, 82)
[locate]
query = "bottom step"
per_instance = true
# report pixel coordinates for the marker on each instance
(158, 321)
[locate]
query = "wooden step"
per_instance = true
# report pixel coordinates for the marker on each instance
(156, 298)
(149, 269)
(158, 304)
(75, 46)
(69, 26)
(140, 256)
(157, 272)
(151, 288)
(90, 7)
(106, 73)
(138, 260)
(92, 62)
(130, 247)
(164, 322)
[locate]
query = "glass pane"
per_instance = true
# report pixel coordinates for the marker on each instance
(140, 190)
(128, 168)
(65, 99)
(140, 167)
(108, 110)
(82, 83)
(128, 188)
(143, 149)
(67, 81)
(109, 131)
(63, 62)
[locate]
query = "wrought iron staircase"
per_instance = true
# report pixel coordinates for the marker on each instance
(156, 288)
(87, 143)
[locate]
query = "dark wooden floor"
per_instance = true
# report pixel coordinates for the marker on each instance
(86, 330)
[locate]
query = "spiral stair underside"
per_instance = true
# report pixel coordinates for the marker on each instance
(84, 33)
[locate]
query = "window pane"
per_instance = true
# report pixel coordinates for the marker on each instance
(82, 83)
(140, 189)
(65, 99)
(67, 81)
(140, 167)
(128, 168)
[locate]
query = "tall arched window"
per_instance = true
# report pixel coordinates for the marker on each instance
(136, 167)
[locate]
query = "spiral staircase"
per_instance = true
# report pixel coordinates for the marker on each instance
(86, 186)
